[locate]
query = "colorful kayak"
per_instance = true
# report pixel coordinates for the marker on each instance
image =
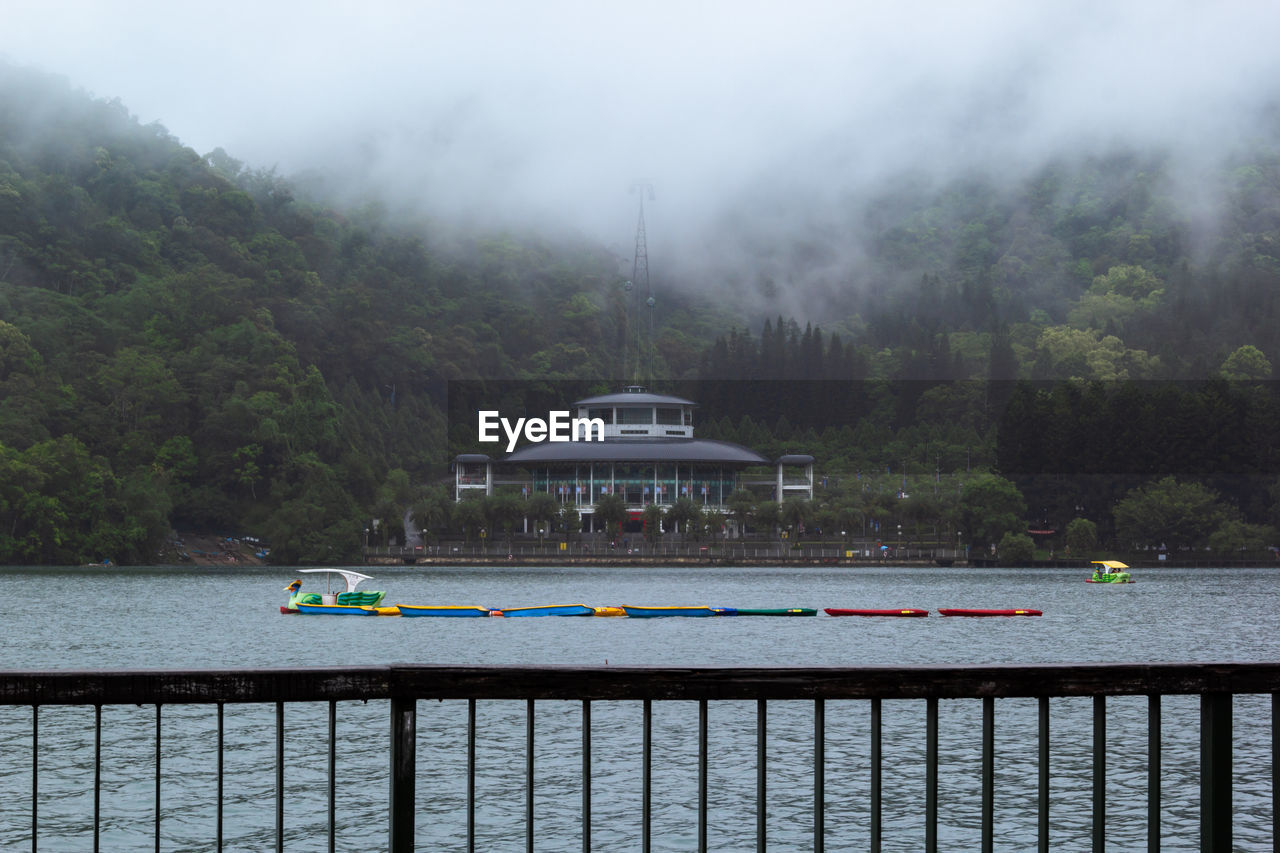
(640, 612)
(959, 612)
(906, 611)
(774, 611)
(550, 610)
(443, 610)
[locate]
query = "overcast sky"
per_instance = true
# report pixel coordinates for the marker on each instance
(549, 110)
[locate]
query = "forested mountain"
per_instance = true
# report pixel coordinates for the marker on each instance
(183, 342)
(189, 343)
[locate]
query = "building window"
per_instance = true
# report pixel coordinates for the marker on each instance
(605, 415)
(670, 417)
(635, 416)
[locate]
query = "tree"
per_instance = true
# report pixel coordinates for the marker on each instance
(1166, 512)
(504, 510)
(1234, 537)
(570, 521)
(1015, 549)
(741, 504)
(1246, 363)
(794, 514)
(469, 516)
(991, 506)
(681, 513)
(611, 511)
(652, 517)
(766, 516)
(542, 510)
(1081, 536)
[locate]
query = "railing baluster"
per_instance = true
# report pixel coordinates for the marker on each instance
(157, 833)
(646, 783)
(819, 775)
(876, 775)
(1215, 772)
(471, 776)
(403, 767)
(1099, 774)
(586, 776)
(35, 776)
(1275, 772)
(221, 773)
(762, 725)
(1153, 773)
(1042, 827)
(528, 778)
(97, 777)
(702, 776)
(988, 772)
(333, 775)
(931, 776)
(279, 777)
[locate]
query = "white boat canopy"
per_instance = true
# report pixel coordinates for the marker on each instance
(352, 578)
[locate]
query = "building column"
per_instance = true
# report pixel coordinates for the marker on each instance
(778, 495)
(488, 478)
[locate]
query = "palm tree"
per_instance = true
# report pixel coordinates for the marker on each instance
(542, 509)
(611, 510)
(741, 506)
(682, 512)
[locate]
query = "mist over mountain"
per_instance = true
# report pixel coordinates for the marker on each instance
(782, 145)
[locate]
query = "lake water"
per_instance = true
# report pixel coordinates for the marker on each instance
(213, 617)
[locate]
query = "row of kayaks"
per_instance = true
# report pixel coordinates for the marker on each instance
(354, 602)
(630, 610)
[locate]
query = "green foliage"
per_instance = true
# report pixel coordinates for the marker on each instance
(1015, 549)
(1167, 512)
(611, 511)
(992, 507)
(1081, 536)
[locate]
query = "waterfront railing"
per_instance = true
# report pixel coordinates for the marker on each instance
(402, 686)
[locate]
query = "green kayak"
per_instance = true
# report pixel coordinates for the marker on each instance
(778, 611)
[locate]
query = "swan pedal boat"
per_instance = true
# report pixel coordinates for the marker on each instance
(1116, 572)
(349, 602)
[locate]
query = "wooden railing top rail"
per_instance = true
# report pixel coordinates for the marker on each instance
(310, 684)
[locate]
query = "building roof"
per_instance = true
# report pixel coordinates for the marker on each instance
(634, 398)
(795, 459)
(471, 457)
(637, 450)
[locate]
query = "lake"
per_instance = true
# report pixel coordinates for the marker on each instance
(214, 617)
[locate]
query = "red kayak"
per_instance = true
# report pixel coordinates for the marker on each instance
(955, 612)
(837, 611)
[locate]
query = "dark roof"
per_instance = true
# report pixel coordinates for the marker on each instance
(471, 457)
(637, 450)
(795, 459)
(640, 398)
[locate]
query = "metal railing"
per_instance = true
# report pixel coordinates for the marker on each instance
(403, 685)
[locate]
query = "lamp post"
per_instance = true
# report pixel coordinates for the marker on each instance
(957, 544)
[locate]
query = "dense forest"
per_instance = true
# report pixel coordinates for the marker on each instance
(188, 343)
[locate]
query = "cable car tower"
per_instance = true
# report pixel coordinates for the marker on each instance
(640, 279)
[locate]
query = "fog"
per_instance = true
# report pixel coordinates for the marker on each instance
(747, 118)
